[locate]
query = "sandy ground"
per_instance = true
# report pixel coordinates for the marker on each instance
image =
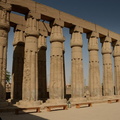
(103, 111)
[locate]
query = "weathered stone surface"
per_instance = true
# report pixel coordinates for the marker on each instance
(33, 82)
(77, 83)
(4, 28)
(42, 76)
(94, 70)
(101, 30)
(18, 62)
(56, 65)
(108, 88)
(116, 55)
(30, 75)
(48, 13)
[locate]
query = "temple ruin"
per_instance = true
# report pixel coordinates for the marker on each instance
(29, 55)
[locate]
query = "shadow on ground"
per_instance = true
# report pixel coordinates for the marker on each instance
(12, 116)
(8, 113)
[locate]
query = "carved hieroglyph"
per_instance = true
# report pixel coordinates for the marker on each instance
(56, 63)
(94, 71)
(42, 83)
(116, 55)
(107, 67)
(30, 77)
(77, 63)
(4, 29)
(18, 62)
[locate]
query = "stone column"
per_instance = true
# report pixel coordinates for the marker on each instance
(30, 74)
(116, 55)
(56, 88)
(108, 89)
(4, 29)
(42, 80)
(64, 71)
(18, 62)
(94, 70)
(77, 80)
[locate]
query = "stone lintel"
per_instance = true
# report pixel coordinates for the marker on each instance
(44, 33)
(76, 29)
(29, 4)
(47, 26)
(93, 34)
(44, 28)
(58, 22)
(20, 22)
(105, 39)
(34, 15)
(17, 19)
(20, 27)
(101, 30)
(5, 6)
(52, 13)
(47, 11)
(114, 35)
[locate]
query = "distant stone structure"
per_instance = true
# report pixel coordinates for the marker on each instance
(8, 91)
(8, 87)
(29, 58)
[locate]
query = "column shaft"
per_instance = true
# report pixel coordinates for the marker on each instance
(30, 77)
(63, 72)
(77, 65)
(56, 76)
(18, 62)
(94, 71)
(30, 69)
(42, 80)
(56, 89)
(4, 29)
(107, 68)
(116, 55)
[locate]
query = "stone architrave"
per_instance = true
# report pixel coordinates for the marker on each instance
(116, 55)
(94, 70)
(18, 62)
(30, 73)
(4, 29)
(77, 79)
(108, 89)
(42, 80)
(56, 88)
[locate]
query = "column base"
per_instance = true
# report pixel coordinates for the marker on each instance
(117, 96)
(56, 101)
(23, 103)
(109, 97)
(96, 98)
(78, 100)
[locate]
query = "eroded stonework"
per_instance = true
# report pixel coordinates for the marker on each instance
(29, 79)
(4, 28)
(94, 70)
(77, 64)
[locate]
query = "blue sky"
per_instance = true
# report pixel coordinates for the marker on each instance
(101, 12)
